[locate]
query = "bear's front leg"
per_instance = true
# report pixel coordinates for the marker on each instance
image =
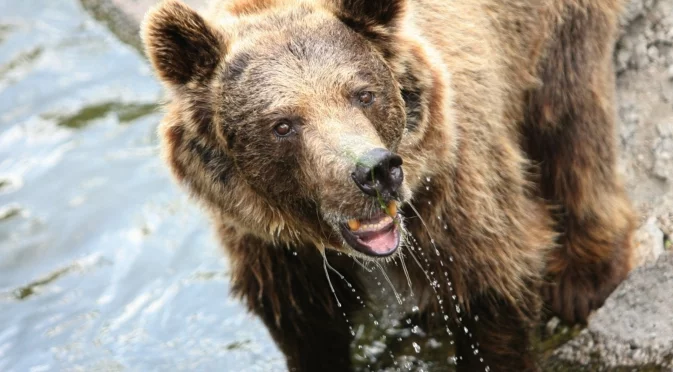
(570, 133)
(494, 336)
(292, 296)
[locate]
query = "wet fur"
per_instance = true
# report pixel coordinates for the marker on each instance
(505, 106)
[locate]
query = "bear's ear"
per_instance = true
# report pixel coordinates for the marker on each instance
(180, 44)
(370, 13)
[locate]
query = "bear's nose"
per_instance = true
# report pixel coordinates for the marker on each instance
(379, 173)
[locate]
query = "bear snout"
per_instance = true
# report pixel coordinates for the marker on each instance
(379, 173)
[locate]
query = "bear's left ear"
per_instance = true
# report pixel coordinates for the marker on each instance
(180, 44)
(370, 13)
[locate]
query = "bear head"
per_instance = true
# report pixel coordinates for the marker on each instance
(285, 117)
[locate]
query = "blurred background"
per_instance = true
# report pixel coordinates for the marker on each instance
(105, 264)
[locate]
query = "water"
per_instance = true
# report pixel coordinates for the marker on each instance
(104, 264)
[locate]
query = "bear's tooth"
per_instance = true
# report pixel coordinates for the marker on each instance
(392, 208)
(353, 224)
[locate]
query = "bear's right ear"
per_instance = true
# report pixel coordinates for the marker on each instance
(370, 13)
(180, 44)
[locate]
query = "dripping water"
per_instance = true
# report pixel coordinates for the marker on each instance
(448, 281)
(383, 272)
(325, 265)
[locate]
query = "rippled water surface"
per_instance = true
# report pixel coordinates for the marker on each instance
(104, 264)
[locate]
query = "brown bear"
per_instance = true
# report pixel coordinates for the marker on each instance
(468, 145)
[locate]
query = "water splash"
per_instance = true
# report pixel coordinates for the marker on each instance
(446, 277)
(390, 283)
(325, 266)
(406, 274)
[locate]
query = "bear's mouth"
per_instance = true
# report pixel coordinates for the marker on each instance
(378, 236)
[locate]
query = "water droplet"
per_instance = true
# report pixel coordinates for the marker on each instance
(427, 188)
(294, 253)
(446, 317)
(465, 329)
(417, 347)
(458, 309)
(476, 318)
(427, 179)
(414, 309)
(487, 369)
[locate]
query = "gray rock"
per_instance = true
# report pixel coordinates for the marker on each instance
(649, 240)
(123, 17)
(633, 330)
(645, 104)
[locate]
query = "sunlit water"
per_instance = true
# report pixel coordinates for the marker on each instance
(104, 263)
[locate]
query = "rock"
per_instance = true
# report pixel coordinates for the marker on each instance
(645, 111)
(551, 326)
(664, 215)
(649, 240)
(665, 220)
(632, 331)
(123, 17)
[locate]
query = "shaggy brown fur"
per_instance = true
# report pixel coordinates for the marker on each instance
(502, 111)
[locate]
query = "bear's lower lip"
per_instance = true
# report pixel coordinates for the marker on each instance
(379, 242)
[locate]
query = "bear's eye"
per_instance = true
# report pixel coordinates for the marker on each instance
(366, 98)
(283, 128)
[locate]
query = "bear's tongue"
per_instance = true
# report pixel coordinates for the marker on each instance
(377, 236)
(380, 242)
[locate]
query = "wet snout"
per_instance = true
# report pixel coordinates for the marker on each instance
(379, 173)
